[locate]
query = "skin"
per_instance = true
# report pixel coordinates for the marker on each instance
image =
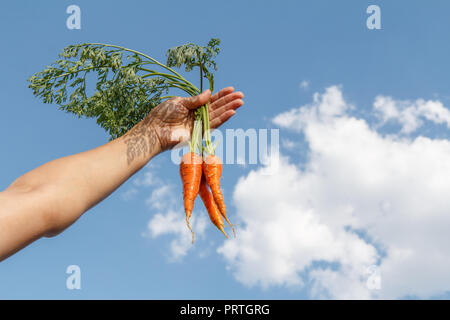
(47, 200)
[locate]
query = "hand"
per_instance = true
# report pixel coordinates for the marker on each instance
(173, 119)
(171, 122)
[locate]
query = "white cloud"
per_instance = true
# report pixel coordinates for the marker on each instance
(289, 144)
(304, 84)
(173, 223)
(327, 106)
(145, 179)
(148, 178)
(411, 115)
(129, 194)
(169, 218)
(298, 224)
(161, 197)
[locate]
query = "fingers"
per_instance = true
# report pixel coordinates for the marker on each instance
(225, 99)
(219, 120)
(197, 101)
(231, 105)
(223, 105)
(221, 94)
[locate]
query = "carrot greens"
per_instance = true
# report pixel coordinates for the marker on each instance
(129, 83)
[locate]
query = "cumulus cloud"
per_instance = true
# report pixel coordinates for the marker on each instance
(411, 115)
(168, 217)
(327, 106)
(363, 202)
(161, 197)
(145, 179)
(148, 178)
(172, 223)
(129, 194)
(289, 144)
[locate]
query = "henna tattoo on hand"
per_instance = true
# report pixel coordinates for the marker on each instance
(156, 132)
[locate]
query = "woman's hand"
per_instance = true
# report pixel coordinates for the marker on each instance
(171, 122)
(173, 119)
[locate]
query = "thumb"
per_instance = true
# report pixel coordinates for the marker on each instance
(197, 101)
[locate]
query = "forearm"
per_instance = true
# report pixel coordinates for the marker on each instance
(51, 197)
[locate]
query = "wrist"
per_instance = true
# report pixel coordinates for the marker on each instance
(155, 139)
(141, 143)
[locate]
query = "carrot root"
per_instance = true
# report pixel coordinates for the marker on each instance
(223, 231)
(231, 226)
(189, 226)
(191, 173)
(212, 169)
(211, 206)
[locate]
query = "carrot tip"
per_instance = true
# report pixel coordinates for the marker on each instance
(231, 226)
(223, 231)
(189, 226)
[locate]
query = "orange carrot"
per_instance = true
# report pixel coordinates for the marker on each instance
(191, 173)
(212, 169)
(211, 207)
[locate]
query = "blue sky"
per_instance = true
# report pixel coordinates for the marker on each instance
(268, 49)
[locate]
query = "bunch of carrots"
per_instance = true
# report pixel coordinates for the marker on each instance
(200, 175)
